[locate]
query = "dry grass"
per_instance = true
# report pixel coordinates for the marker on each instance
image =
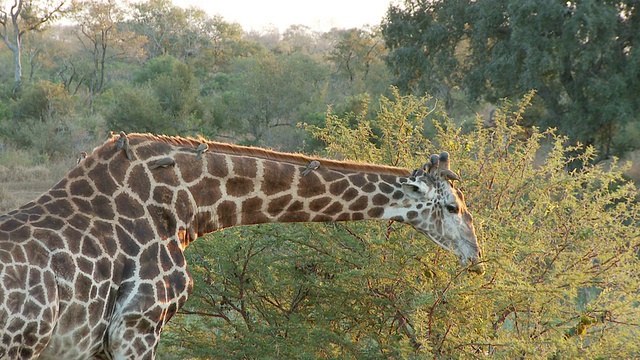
(23, 173)
(20, 184)
(7, 200)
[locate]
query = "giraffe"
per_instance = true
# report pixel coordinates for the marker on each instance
(95, 267)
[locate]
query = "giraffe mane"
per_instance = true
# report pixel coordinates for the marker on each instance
(295, 158)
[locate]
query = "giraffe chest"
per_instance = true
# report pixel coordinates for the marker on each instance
(76, 289)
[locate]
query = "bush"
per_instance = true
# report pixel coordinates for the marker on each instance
(43, 100)
(163, 99)
(628, 139)
(134, 108)
(560, 249)
(178, 93)
(161, 65)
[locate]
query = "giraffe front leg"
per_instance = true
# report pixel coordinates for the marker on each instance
(141, 311)
(132, 335)
(28, 311)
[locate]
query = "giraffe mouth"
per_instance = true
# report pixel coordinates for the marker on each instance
(475, 267)
(472, 264)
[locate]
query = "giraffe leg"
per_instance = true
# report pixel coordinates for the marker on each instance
(132, 336)
(142, 311)
(27, 313)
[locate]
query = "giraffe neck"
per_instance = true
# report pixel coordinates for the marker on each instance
(255, 190)
(184, 192)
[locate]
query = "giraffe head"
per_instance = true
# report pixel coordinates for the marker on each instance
(436, 208)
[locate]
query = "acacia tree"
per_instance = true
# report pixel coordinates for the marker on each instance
(266, 92)
(19, 17)
(560, 251)
(581, 56)
(162, 98)
(162, 23)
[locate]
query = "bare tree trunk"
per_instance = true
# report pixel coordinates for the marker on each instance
(11, 37)
(9, 23)
(17, 72)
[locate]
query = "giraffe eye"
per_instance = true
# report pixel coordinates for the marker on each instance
(452, 208)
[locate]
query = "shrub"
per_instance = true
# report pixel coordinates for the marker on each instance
(628, 139)
(161, 65)
(134, 108)
(560, 249)
(43, 100)
(163, 99)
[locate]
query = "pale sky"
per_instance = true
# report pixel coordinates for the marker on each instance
(319, 15)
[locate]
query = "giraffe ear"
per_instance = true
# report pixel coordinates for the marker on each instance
(415, 190)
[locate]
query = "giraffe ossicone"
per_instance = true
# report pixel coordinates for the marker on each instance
(94, 267)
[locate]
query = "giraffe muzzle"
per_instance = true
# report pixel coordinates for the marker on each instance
(476, 267)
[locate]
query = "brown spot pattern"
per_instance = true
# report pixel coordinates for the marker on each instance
(244, 166)
(277, 178)
(278, 205)
(207, 192)
(338, 187)
(227, 213)
(239, 186)
(360, 204)
(319, 204)
(139, 183)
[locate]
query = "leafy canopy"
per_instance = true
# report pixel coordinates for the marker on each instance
(580, 56)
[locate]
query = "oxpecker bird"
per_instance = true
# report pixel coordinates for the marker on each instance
(162, 162)
(202, 148)
(81, 156)
(312, 166)
(123, 143)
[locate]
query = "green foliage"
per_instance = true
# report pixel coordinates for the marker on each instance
(628, 139)
(43, 101)
(395, 131)
(268, 92)
(59, 138)
(178, 92)
(189, 35)
(4, 109)
(163, 99)
(6, 73)
(134, 108)
(563, 245)
(358, 56)
(161, 65)
(43, 122)
(578, 55)
(560, 248)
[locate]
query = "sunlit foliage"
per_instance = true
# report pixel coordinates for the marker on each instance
(560, 247)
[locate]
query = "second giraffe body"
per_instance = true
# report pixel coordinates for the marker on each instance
(94, 268)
